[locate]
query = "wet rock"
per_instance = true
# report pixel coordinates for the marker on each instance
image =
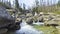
(52, 25)
(3, 30)
(14, 27)
(18, 21)
(26, 29)
(7, 21)
(36, 21)
(17, 27)
(41, 20)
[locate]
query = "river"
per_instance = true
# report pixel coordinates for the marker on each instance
(25, 29)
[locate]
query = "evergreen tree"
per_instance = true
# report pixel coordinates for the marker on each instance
(23, 6)
(23, 11)
(59, 3)
(37, 5)
(37, 2)
(16, 4)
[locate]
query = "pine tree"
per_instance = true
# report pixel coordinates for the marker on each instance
(37, 2)
(16, 4)
(37, 5)
(23, 9)
(59, 3)
(23, 6)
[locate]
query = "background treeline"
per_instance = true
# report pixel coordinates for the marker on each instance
(39, 6)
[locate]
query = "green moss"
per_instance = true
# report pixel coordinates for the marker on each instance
(57, 12)
(46, 29)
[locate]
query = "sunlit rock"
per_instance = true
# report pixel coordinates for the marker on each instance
(29, 15)
(41, 19)
(52, 23)
(29, 21)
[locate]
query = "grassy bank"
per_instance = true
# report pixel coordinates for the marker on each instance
(46, 29)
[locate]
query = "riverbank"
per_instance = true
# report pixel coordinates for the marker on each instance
(47, 29)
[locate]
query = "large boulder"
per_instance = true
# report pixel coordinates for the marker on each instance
(29, 15)
(29, 21)
(35, 19)
(3, 30)
(5, 17)
(51, 23)
(41, 19)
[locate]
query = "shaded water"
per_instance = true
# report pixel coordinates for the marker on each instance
(25, 29)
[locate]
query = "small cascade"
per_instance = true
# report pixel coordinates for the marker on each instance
(26, 29)
(35, 13)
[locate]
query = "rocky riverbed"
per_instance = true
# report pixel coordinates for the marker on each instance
(25, 29)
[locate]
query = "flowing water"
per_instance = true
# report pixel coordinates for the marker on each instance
(26, 29)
